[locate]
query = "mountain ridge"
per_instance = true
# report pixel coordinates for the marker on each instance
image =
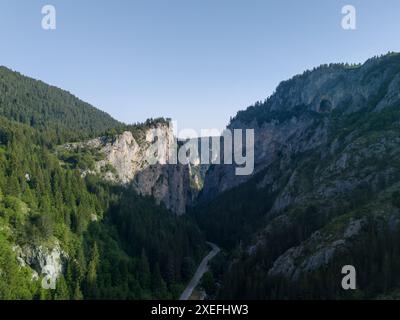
(325, 185)
(50, 108)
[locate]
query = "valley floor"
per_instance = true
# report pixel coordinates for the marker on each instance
(201, 270)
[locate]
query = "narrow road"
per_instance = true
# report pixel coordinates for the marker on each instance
(201, 270)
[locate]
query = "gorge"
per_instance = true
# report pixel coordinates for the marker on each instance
(77, 192)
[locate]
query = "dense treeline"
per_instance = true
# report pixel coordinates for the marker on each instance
(375, 253)
(115, 243)
(157, 251)
(39, 202)
(297, 249)
(235, 215)
(237, 225)
(57, 113)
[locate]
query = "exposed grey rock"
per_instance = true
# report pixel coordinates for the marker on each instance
(41, 258)
(317, 251)
(299, 122)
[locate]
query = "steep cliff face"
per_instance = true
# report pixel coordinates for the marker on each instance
(125, 160)
(303, 112)
(326, 174)
(42, 260)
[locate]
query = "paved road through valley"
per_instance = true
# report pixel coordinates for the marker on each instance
(201, 270)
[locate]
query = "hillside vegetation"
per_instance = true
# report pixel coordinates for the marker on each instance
(325, 193)
(103, 240)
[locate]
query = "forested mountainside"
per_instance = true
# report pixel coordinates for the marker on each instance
(99, 238)
(122, 158)
(56, 113)
(325, 192)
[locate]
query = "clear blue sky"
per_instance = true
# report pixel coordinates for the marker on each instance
(196, 61)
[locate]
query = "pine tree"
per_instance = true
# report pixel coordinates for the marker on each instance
(144, 270)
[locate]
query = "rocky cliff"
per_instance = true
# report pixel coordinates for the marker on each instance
(43, 260)
(125, 159)
(298, 117)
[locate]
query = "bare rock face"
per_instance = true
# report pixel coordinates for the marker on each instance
(169, 184)
(126, 161)
(43, 260)
(123, 154)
